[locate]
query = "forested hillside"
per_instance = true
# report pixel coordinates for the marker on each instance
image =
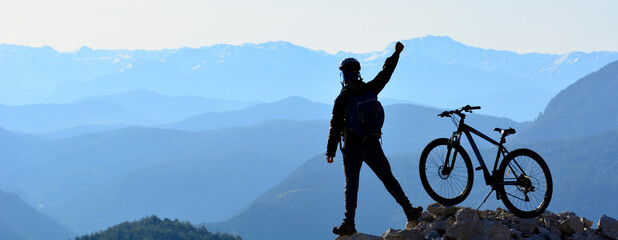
(155, 228)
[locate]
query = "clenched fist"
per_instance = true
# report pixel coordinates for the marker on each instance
(398, 47)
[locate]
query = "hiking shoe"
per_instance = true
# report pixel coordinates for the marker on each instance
(413, 213)
(346, 228)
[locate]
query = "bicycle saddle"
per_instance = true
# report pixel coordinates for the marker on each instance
(505, 132)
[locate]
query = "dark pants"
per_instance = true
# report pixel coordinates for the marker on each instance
(370, 152)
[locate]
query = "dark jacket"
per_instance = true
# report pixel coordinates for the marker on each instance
(337, 122)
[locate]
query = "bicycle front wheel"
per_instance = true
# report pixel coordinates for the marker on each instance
(447, 183)
(524, 183)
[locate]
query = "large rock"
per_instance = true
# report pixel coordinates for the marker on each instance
(469, 226)
(592, 234)
(550, 222)
(608, 227)
(358, 236)
(392, 234)
(440, 210)
(495, 230)
(527, 225)
(567, 215)
(426, 217)
(571, 226)
(440, 226)
(587, 223)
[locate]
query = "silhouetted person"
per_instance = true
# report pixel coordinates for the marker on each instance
(362, 146)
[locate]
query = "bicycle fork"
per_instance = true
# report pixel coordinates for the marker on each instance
(448, 163)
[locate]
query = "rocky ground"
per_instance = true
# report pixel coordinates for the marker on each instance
(440, 222)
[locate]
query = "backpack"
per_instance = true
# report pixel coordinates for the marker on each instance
(365, 115)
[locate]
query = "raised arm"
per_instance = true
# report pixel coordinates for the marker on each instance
(378, 83)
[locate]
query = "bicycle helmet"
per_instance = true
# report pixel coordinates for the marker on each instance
(349, 64)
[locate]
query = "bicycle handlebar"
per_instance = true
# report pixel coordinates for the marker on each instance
(459, 111)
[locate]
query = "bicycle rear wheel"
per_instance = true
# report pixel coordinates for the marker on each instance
(524, 183)
(448, 187)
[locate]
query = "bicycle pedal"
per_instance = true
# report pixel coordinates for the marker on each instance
(478, 168)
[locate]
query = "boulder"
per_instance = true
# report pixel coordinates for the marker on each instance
(536, 237)
(358, 236)
(527, 225)
(466, 216)
(566, 215)
(469, 226)
(440, 226)
(571, 226)
(592, 234)
(432, 234)
(608, 227)
(516, 235)
(550, 222)
(426, 217)
(587, 223)
(440, 210)
(555, 235)
(412, 224)
(392, 234)
(495, 230)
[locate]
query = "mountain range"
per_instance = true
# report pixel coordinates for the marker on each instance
(116, 174)
(255, 167)
(433, 71)
(133, 108)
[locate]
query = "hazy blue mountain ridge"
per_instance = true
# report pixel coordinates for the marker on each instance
(19, 221)
(77, 178)
(14, 147)
(265, 72)
(291, 108)
(53, 117)
(31, 74)
(586, 107)
(436, 71)
(136, 107)
(114, 175)
(164, 109)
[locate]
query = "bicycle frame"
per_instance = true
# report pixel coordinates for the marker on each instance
(467, 129)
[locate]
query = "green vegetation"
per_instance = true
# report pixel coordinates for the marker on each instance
(155, 228)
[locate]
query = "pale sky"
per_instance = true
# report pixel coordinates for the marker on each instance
(546, 26)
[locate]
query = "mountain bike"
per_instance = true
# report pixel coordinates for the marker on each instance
(521, 180)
